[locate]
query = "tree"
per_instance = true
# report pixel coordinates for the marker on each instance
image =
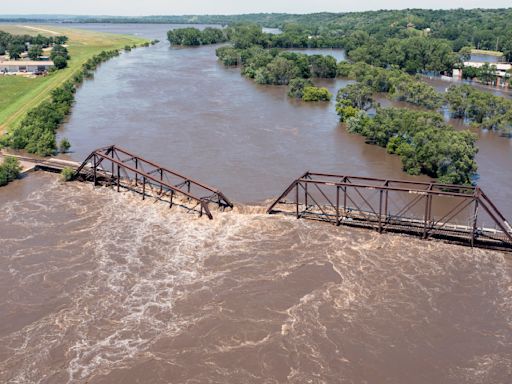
(323, 66)
(60, 62)
(228, 55)
(60, 40)
(281, 71)
(212, 36)
(355, 95)
(296, 87)
(184, 36)
(465, 54)
(15, 51)
(34, 52)
(59, 50)
(487, 73)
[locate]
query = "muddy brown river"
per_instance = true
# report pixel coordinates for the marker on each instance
(99, 287)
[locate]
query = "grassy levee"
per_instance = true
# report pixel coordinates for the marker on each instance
(18, 95)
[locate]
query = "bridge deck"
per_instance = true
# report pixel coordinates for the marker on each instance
(53, 164)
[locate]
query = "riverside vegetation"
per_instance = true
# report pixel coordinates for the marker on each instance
(32, 109)
(424, 142)
(37, 131)
(10, 169)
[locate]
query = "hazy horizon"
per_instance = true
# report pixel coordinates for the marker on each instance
(223, 7)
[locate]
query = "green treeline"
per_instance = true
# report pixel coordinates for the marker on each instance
(480, 28)
(424, 142)
(396, 83)
(37, 131)
(194, 37)
(277, 67)
(15, 45)
(412, 40)
(10, 169)
(483, 108)
(252, 50)
(463, 101)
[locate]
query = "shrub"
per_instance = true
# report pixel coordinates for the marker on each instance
(316, 94)
(67, 174)
(9, 170)
(64, 145)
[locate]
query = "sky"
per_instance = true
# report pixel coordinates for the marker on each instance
(180, 7)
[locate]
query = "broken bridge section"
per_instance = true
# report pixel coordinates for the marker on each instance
(461, 214)
(118, 168)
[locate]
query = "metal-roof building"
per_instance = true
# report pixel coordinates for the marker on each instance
(25, 66)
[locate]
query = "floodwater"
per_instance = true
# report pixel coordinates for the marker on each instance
(180, 107)
(99, 287)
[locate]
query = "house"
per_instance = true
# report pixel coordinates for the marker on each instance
(25, 66)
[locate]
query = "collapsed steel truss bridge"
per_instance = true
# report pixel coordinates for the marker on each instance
(119, 168)
(461, 214)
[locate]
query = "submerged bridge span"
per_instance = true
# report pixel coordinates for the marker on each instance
(461, 214)
(116, 167)
(456, 213)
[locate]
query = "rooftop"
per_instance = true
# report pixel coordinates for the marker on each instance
(25, 62)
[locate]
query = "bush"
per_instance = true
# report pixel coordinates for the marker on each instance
(64, 145)
(316, 94)
(296, 87)
(228, 55)
(9, 170)
(67, 174)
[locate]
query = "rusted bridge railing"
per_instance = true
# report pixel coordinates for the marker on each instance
(119, 168)
(462, 214)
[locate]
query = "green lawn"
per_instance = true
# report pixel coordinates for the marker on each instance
(18, 95)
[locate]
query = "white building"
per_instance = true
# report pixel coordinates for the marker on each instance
(501, 68)
(22, 66)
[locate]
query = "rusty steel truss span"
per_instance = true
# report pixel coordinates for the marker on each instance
(119, 168)
(462, 214)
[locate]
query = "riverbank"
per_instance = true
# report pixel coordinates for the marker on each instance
(19, 94)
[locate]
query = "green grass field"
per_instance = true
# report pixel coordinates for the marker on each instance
(18, 94)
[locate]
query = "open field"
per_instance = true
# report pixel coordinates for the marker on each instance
(486, 52)
(18, 95)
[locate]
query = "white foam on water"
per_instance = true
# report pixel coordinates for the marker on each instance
(137, 260)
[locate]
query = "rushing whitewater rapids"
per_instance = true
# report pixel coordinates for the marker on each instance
(98, 287)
